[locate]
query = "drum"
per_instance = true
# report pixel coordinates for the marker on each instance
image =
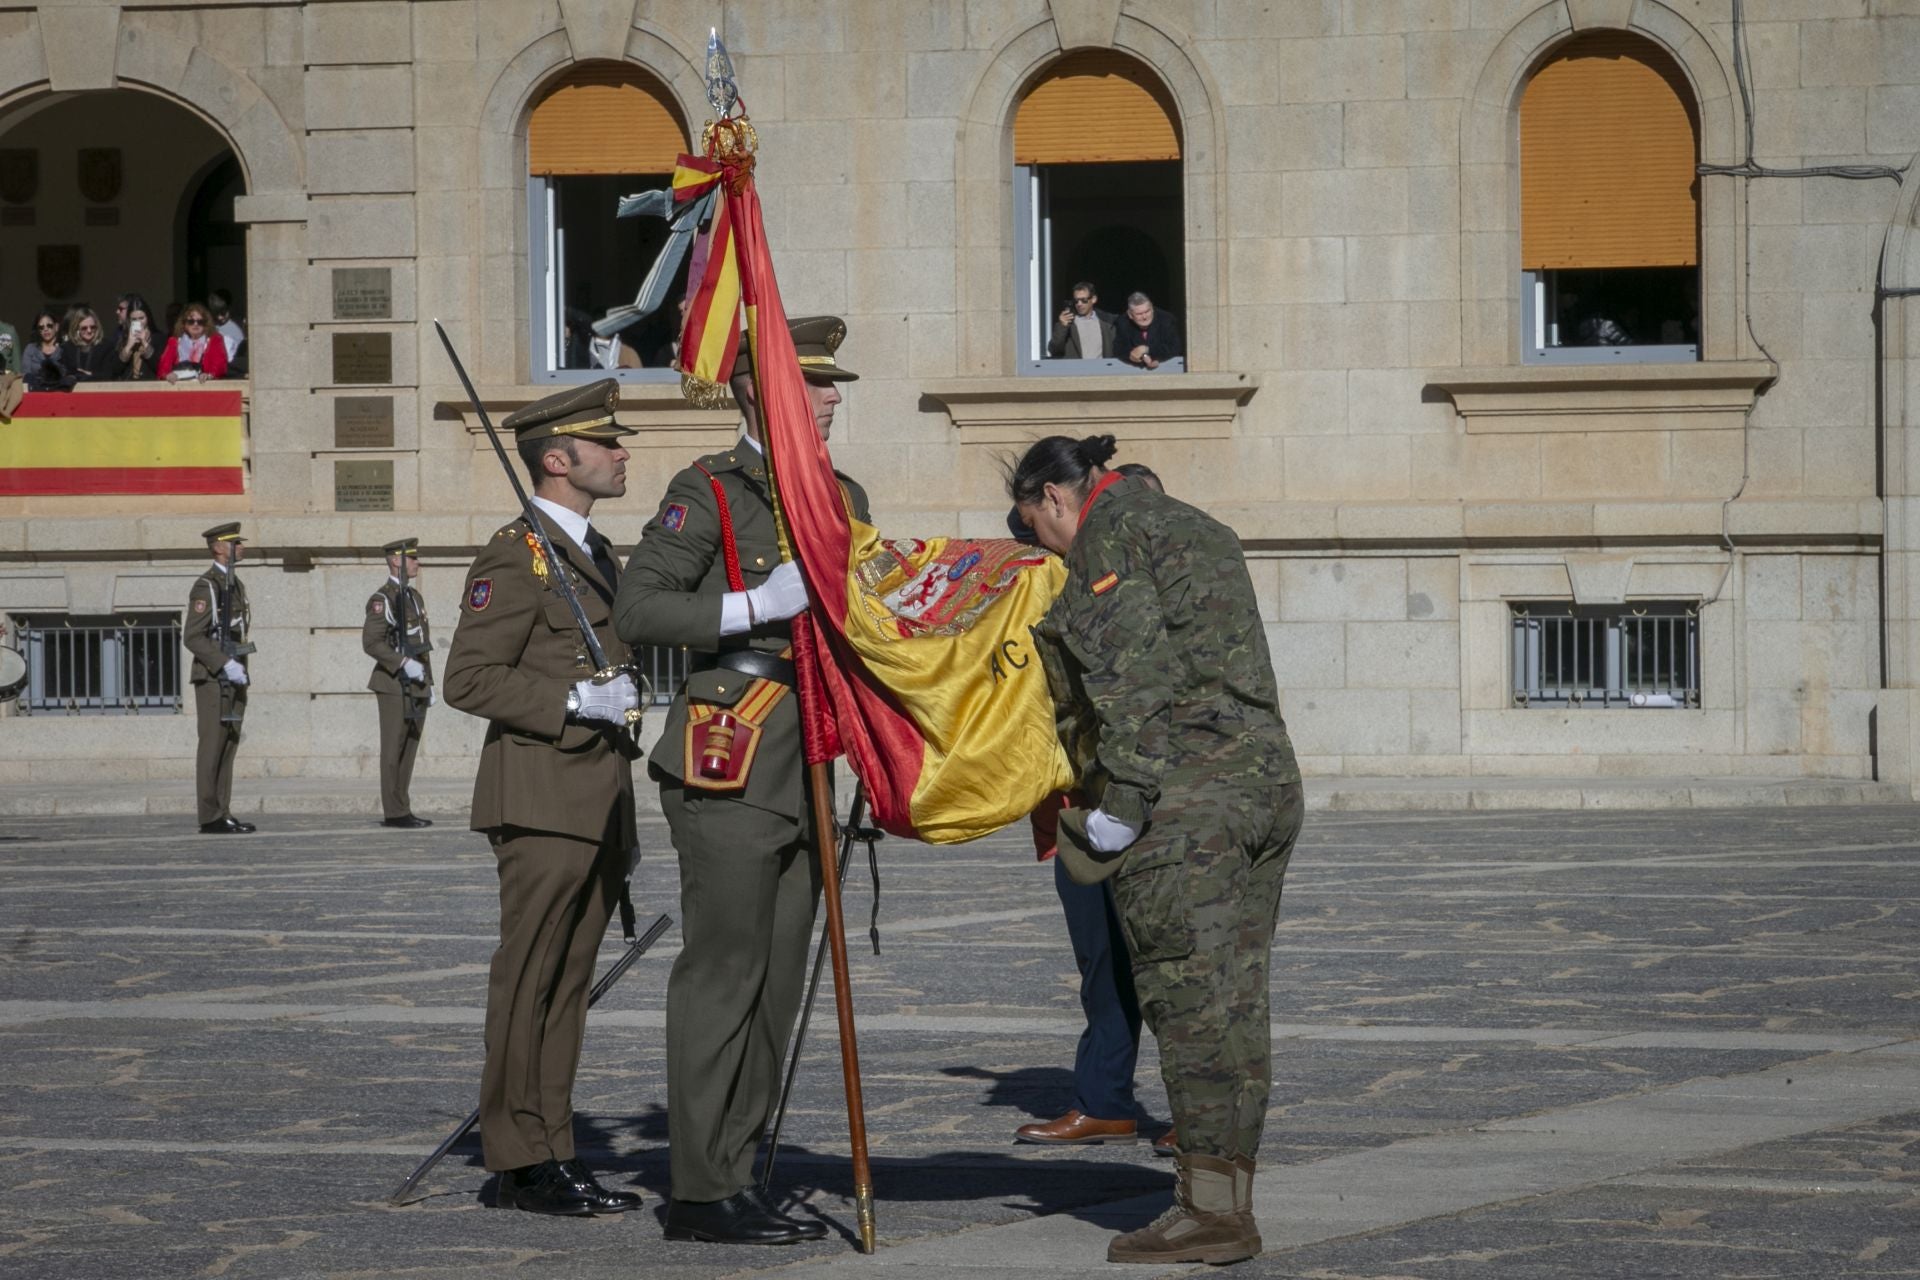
(13, 674)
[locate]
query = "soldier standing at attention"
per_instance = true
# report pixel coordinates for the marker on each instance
(395, 636)
(554, 791)
(707, 575)
(218, 621)
(1198, 806)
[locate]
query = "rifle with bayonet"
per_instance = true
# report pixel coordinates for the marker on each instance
(230, 648)
(415, 695)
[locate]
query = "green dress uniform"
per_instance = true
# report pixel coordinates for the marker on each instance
(1166, 657)
(218, 621)
(396, 629)
(749, 881)
(553, 794)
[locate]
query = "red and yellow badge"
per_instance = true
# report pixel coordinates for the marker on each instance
(199, 605)
(1105, 583)
(377, 606)
(539, 557)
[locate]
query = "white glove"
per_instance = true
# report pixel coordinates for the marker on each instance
(607, 702)
(1108, 834)
(234, 672)
(411, 668)
(783, 595)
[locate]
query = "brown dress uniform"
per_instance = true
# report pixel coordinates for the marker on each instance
(555, 797)
(396, 623)
(218, 619)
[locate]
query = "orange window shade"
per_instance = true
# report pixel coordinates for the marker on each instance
(1095, 107)
(604, 117)
(1608, 141)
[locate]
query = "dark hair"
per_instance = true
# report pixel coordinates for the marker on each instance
(134, 300)
(1142, 472)
(219, 299)
(1057, 460)
(531, 451)
(1078, 285)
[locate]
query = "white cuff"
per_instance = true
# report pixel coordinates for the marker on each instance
(735, 619)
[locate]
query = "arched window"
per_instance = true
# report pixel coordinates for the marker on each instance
(601, 131)
(1609, 205)
(1097, 183)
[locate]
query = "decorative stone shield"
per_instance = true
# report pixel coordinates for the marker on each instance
(100, 171)
(19, 174)
(59, 273)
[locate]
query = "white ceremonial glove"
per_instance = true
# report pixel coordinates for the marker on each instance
(234, 672)
(411, 668)
(783, 595)
(607, 702)
(1108, 834)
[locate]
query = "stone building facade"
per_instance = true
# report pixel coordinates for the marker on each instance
(1356, 403)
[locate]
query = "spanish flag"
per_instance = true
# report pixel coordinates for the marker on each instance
(917, 657)
(126, 442)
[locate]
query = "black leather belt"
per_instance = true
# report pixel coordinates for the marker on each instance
(761, 666)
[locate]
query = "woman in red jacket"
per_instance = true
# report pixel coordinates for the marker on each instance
(194, 350)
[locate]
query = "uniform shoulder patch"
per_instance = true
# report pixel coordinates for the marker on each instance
(199, 605)
(1105, 583)
(377, 606)
(674, 517)
(480, 594)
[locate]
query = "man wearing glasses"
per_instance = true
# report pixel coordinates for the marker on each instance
(1082, 331)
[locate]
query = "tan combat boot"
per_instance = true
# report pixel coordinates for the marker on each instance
(1206, 1223)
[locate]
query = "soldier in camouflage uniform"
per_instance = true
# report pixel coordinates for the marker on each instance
(1160, 664)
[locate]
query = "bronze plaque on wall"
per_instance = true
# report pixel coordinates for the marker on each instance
(363, 486)
(362, 357)
(363, 293)
(363, 422)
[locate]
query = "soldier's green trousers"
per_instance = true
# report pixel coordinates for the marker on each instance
(1199, 896)
(749, 880)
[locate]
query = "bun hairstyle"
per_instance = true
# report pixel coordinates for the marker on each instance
(1058, 460)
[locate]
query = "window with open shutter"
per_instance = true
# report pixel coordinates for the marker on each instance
(1609, 203)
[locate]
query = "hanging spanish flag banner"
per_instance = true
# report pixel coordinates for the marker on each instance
(123, 442)
(916, 659)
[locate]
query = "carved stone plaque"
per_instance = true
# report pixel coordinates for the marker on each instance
(363, 486)
(363, 293)
(102, 215)
(362, 357)
(16, 215)
(363, 422)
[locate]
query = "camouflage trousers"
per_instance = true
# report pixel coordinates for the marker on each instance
(1199, 896)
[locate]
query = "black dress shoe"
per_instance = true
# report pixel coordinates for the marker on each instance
(738, 1219)
(226, 827)
(406, 822)
(542, 1188)
(809, 1230)
(604, 1200)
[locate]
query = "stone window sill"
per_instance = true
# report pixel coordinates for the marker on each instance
(1710, 395)
(657, 410)
(1016, 410)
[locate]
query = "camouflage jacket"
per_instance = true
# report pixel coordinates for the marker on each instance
(1162, 675)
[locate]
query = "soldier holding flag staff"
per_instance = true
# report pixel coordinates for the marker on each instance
(215, 633)
(395, 636)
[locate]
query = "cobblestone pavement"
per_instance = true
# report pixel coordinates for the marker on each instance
(1553, 1044)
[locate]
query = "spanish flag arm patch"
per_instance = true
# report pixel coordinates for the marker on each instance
(1105, 583)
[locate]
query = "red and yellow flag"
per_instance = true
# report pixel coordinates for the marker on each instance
(131, 442)
(917, 657)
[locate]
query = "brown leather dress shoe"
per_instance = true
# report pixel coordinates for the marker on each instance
(1167, 1144)
(1074, 1129)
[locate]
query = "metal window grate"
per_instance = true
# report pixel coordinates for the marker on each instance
(1644, 654)
(665, 669)
(101, 666)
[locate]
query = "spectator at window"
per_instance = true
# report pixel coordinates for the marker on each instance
(135, 350)
(668, 352)
(43, 364)
(1148, 336)
(1082, 331)
(89, 356)
(232, 336)
(10, 349)
(194, 350)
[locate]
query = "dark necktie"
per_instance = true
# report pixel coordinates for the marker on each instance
(602, 558)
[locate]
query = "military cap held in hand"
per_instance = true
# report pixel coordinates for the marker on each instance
(815, 339)
(402, 547)
(577, 411)
(224, 533)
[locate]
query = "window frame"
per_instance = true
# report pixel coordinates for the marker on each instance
(542, 319)
(113, 661)
(1535, 350)
(1527, 662)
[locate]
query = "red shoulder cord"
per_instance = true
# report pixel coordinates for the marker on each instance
(729, 549)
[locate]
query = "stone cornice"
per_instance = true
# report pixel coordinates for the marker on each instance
(656, 410)
(1015, 410)
(1710, 395)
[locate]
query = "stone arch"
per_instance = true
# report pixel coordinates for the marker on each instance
(1490, 173)
(504, 346)
(984, 188)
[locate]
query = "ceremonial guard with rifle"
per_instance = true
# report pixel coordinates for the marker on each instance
(217, 625)
(554, 791)
(708, 575)
(395, 636)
